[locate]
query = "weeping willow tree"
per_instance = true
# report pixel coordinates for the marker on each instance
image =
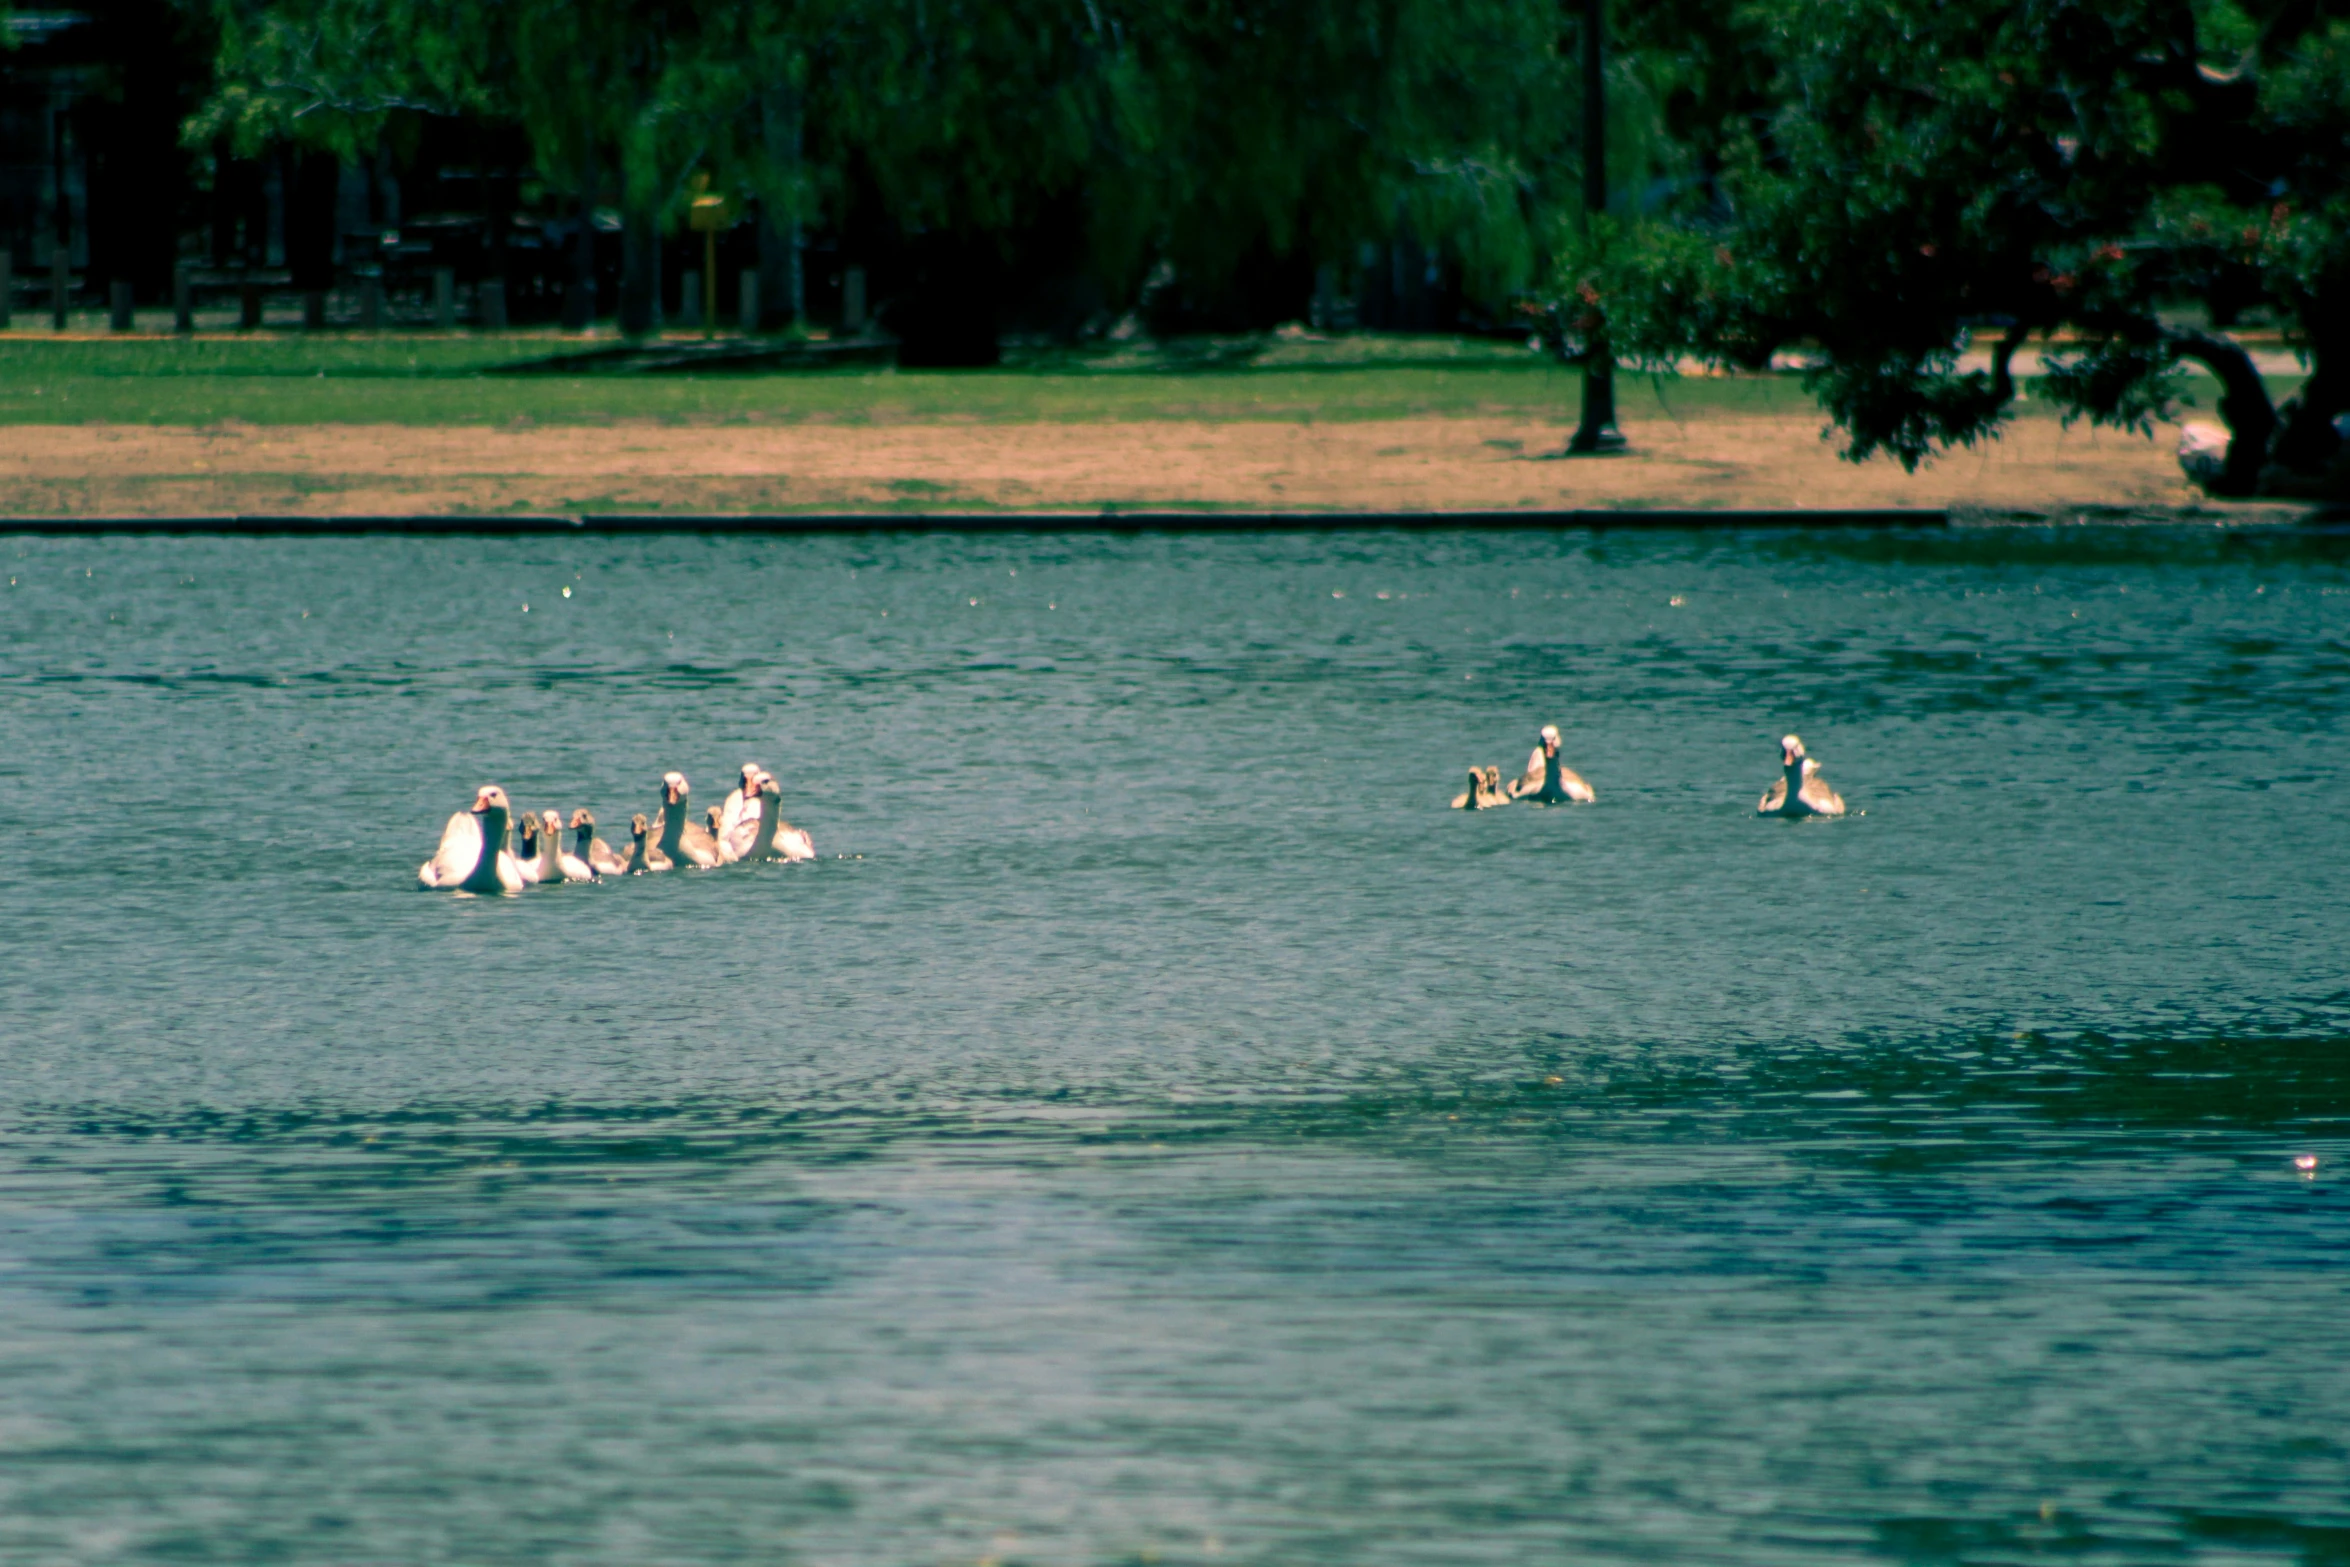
(1215, 137)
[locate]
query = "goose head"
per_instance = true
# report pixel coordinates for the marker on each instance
(583, 827)
(766, 788)
(1791, 753)
(638, 827)
(1550, 739)
(674, 789)
(711, 819)
(551, 835)
(752, 773)
(489, 803)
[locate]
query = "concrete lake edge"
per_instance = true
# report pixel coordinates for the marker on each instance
(1174, 521)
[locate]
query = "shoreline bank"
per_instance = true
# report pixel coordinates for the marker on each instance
(1432, 465)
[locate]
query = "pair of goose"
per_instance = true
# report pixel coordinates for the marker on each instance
(475, 854)
(1800, 791)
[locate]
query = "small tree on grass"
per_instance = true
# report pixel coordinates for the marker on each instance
(2083, 166)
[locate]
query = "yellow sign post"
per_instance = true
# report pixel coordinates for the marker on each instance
(708, 214)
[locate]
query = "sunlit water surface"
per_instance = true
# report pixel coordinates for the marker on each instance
(1157, 1129)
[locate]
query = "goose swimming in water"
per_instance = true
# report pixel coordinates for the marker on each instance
(1549, 780)
(1801, 791)
(547, 868)
(1484, 791)
(642, 856)
(473, 856)
(557, 863)
(683, 842)
(526, 849)
(786, 842)
(737, 833)
(601, 857)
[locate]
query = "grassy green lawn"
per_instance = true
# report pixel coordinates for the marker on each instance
(280, 379)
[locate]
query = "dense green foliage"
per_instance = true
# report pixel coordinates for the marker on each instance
(1916, 170)
(1211, 137)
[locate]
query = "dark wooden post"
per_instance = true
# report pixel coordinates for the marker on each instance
(1597, 432)
(579, 290)
(61, 253)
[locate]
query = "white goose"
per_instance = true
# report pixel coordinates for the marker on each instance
(601, 857)
(1548, 780)
(683, 842)
(1800, 791)
(557, 863)
(738, 830)
(786, 842)
(472, 856)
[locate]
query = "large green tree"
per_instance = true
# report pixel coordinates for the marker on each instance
(2076, 168)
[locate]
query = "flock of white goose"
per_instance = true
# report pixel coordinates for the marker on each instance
(488, 849)
(1548, 780)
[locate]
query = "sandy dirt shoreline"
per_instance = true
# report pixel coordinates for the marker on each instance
(1421, 464)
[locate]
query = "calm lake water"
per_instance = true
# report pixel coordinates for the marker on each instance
(1157, 1130)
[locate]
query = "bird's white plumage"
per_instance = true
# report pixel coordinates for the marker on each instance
(738, 828)
(472, 856)
(784, 841)
(459, 852)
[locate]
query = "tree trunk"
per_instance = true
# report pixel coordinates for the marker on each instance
(311, 222)
(2308, 444)
(783, 292)
(640, 269)
(227, 175)
(2243, 405)
(579, 294)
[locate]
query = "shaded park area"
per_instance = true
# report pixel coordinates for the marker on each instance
(340, 424)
